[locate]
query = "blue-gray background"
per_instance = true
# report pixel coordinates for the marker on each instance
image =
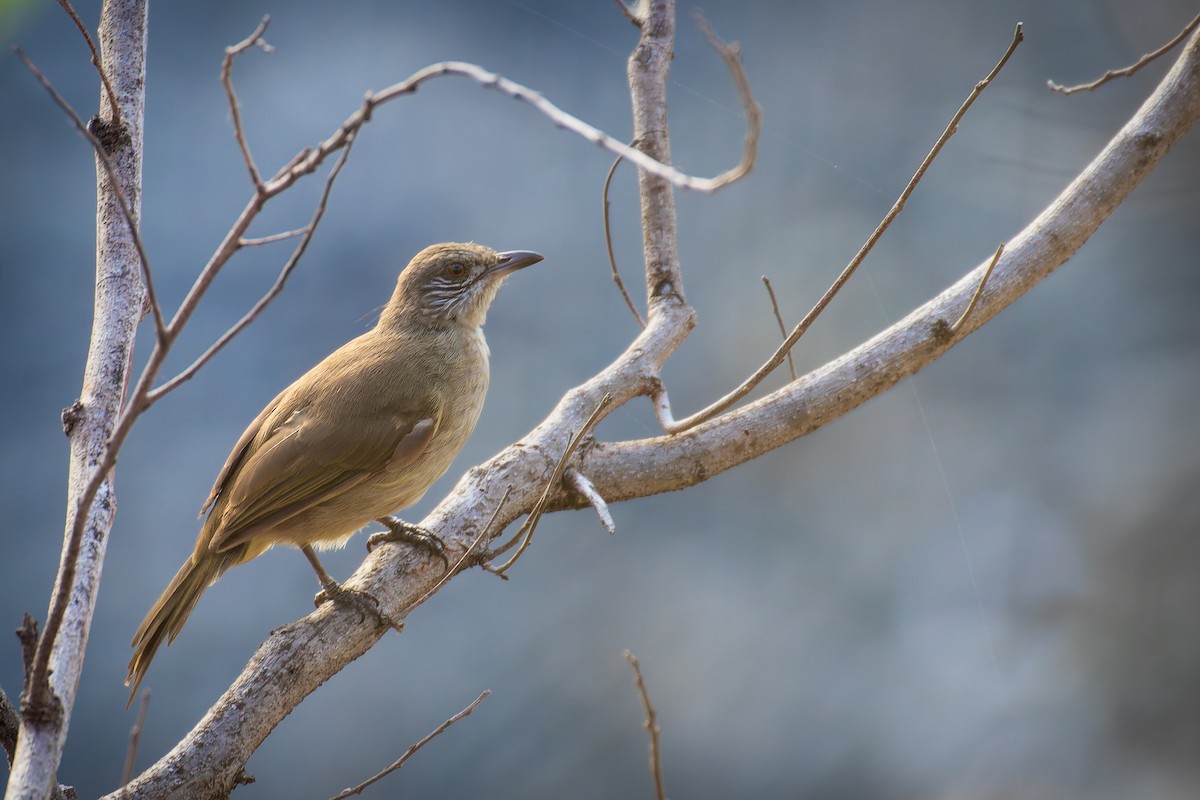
(980, 585)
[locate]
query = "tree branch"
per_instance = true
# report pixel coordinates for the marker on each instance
(626, 470)
(399, 762)
(662, 403)
(296, 659)
(651, 726)
(119, 300)
(114, 109)
(1132, 68)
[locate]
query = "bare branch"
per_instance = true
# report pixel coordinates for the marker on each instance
(662, 403)
(733, 62)
(135, 733)
(492, 80)
(651, 726)
(399, 762)
(39, 694)
(987, 273)
(535, 515)
(635, 469)
(122, 289)
(296, 660)
(580, 483)
(1131, 69)
(233, 51)
(110, 171)
(779, 319)
(271, 294)
(612, 258)
(114, 108)
(274, 237)
(463, 559)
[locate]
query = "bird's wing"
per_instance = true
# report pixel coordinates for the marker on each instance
(308, 459)
(238, 453)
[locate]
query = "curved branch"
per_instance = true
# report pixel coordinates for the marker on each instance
(296, 659)
(626, 470)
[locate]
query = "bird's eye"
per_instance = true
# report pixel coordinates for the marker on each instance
(456, 270)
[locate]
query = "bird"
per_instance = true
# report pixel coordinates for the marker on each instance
(359, 436)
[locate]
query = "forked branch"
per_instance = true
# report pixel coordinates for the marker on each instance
(662, 403)
(297, 659)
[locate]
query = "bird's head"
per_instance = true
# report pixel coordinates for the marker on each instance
(453, 283)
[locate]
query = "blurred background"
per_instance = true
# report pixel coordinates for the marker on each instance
(979, 585)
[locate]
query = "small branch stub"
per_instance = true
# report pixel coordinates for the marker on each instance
(580, 483)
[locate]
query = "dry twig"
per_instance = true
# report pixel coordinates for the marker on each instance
(87, 37)
(304, 163)
(612, 258)
(274, 237)
(733, 62)
(271, 293)
(582, 484)
(399, 762)
(111, 173)
(1131, 69)
(233, 51)
(662, 403)
(135, 734)
(651, 726)
(525, 534)
(978, 291)
(458, 565)
(779, 319)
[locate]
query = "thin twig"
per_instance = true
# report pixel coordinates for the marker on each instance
(510, 88)
(450, 573)
(662, 403)
(978, 290)
(399, 762)
(779, 319)
(270, 294)
(730, 54)
(651, 726)
(135, 733)
(87, 37)
(233, 51)
(535, 514)
(274, 237)
(582, 484)
(1131, 69)
(612, 258)
(111, 172)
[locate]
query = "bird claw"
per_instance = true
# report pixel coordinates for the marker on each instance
(366, 604)
(400, 531)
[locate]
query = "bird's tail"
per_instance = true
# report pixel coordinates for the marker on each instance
(172, 609)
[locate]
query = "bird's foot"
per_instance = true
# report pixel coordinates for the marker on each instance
(400, 531)
(366, 604)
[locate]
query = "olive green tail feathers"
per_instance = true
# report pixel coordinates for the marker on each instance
(171, 611)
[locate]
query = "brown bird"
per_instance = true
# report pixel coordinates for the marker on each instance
(360, 435)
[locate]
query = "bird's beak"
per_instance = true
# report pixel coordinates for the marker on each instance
(512, 261)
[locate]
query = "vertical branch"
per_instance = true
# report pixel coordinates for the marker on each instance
(648, 66)
(119, 303)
